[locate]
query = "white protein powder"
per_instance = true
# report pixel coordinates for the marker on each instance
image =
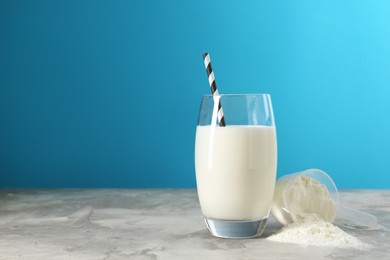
(309, 200)
(317, 234)
(310, 213)
(302, 199)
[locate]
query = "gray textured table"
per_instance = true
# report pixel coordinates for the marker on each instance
(154, 224)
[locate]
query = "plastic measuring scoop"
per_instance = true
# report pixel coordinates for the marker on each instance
(281, 210)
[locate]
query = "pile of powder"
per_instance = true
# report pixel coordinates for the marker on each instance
(317, 234)
(310, 213)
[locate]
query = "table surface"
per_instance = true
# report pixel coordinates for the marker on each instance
(155, 224)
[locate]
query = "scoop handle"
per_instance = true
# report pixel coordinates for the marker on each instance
(357, 216)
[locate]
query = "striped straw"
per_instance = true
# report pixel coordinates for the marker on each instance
(213, 86)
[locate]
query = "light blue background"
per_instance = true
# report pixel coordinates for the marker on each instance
(106, 93)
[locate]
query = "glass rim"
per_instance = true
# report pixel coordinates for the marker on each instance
(237, 95)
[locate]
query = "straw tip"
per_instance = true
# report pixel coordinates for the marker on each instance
(205, 54)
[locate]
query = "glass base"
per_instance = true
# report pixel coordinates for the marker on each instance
(235, 229)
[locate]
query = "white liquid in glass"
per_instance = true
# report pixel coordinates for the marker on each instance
(235, 171)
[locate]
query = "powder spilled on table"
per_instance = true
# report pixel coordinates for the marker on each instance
(317, 233)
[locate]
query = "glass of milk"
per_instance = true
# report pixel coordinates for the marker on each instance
(236, 164)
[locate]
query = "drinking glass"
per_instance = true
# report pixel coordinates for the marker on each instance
(236, 163)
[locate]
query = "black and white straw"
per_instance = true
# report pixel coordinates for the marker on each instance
(213, 86)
